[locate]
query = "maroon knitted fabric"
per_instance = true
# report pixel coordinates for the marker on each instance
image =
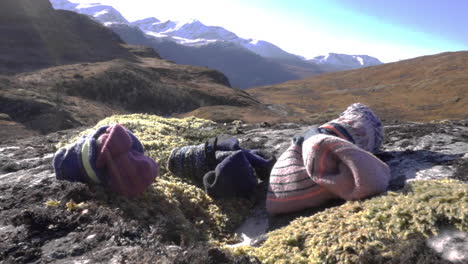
(129, 172)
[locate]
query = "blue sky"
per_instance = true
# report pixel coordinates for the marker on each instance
(390, 30)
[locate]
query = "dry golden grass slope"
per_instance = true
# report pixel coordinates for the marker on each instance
(421, 89)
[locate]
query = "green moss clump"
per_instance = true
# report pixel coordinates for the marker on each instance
(375, 228)
(160, 135)
(191, 206)
(189, 213)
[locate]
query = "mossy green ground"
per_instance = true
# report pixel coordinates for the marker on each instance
(390, 228)
(191, 214)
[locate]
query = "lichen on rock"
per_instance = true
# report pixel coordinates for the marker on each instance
(373, 229)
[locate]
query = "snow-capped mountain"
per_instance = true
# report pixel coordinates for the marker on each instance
(195, 33)
(184, 31)
(345, 60)
(101, 13)
(246, 62)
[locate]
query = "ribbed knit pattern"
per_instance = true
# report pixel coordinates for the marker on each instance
(227, 170)
(290, 188)
(325, 167)
(343, 168)
(364, 127)
(191, 161)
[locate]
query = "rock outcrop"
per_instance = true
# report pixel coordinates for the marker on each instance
(45, 220)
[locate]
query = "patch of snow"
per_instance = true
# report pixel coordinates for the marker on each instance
(192, 41)
(155, 34)
(84, 5)
(100, 13)
(254, 41)
(361, 61)
(179, 25)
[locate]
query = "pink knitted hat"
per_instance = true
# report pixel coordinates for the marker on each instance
(290, 188)
(325, 167)
(361, 124)
(344, 169)
(128, 171)
(329, 162)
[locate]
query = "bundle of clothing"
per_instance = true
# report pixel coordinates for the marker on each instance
(333, 161)
(226, 169)
(110, 156)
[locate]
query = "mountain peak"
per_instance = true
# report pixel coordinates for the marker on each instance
(146, 20)
(102, 13)
(190, 21)
(341, 61)
(193, 24)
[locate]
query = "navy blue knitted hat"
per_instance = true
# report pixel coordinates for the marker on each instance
(234, 176)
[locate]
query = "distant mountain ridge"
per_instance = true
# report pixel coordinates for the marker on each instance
(219, 46)
(345, 60)
(194, 32)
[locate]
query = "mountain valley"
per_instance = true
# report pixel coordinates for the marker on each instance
(192, 42)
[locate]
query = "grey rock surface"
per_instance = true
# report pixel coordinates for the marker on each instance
(413, 151)
(30, 233)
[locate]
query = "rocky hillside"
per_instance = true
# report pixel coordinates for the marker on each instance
(421, 89)
(420, 219)
(35, 36)
(80, 94)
